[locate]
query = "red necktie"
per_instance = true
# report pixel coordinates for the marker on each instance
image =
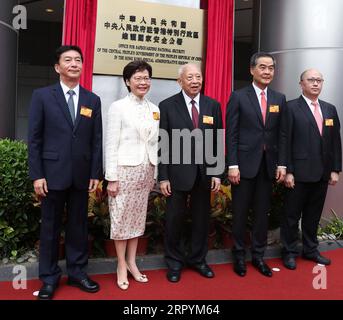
(263, 106)
(195, 115)
(317, 117)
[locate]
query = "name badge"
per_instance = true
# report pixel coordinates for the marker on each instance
(156, 115)
(274, 108)
(329, 122)
(87, 112)
(207, 119)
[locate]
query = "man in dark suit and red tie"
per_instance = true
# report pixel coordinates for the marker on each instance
(65, 163)
(184, 174)
(314, 160)
(255, 156)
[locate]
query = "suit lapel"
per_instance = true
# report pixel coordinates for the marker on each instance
(253, 98)
(137, 123)
(326, 115)
(308, 113)
(62, 103)
(82, 102)
(203, 111)
(183, 110)
(270, 101)
(155, 126)
(131, 112)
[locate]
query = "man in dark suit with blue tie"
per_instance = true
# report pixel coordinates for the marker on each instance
(255, 147)
(65, 163)
(314, 160)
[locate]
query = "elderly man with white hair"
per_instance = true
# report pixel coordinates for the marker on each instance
(195, 115)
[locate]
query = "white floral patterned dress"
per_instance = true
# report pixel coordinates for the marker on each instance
(128, 209)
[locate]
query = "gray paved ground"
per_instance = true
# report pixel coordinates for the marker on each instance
(150, 262)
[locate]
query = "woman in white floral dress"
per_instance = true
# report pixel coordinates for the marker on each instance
(130, 166)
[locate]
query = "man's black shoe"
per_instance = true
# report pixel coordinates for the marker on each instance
(262, 267)
(204, 270)
(289, 262)
(47, 291)
(86, 284)
(173, 275)
(240, 267)
(318, 258)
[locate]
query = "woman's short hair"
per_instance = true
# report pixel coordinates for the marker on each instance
(135, 66)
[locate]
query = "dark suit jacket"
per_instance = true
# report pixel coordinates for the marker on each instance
(174, 115)
(247, 136)
(312, 157)
(64, 154)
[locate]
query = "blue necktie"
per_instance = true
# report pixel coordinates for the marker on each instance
(71, 105)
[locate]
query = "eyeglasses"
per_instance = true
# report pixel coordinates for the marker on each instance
(314, 80)
(141, 79)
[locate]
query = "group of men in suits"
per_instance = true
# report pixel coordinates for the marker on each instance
(266, 139)
(297, 143)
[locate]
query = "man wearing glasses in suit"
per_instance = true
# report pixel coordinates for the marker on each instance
(314, 160)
